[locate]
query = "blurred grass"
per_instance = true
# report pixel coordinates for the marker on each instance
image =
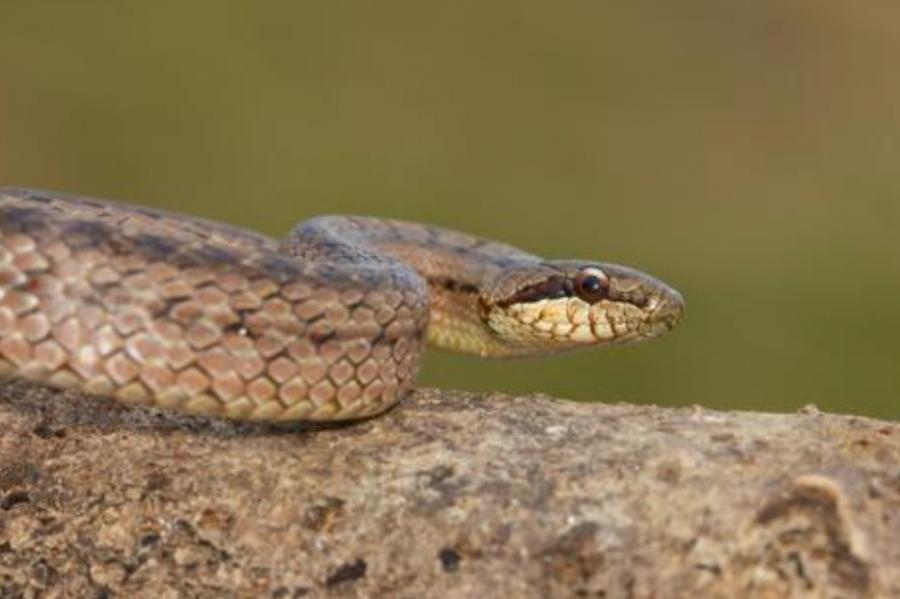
(745, 152)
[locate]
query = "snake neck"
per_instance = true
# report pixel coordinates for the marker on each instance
(456, 324)
(454, 266)
(456, 280)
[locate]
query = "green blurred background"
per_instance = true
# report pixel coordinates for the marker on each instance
(746, 152)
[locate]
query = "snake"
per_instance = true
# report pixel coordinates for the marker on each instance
(152, 308)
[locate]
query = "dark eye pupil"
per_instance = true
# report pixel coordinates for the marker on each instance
(591, 287)
(591, 284)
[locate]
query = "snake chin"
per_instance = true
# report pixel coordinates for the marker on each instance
(557, 325)
(563, 324)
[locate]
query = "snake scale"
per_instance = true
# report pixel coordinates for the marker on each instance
(159, 309)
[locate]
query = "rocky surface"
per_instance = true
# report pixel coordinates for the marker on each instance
(449, 495)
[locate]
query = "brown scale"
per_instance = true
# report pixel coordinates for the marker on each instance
(178, 313)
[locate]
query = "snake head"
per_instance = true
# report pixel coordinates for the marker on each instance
(560, 305)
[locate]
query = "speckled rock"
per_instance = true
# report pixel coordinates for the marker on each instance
(449, 495)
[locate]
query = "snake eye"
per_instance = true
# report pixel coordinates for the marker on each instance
(591, 285)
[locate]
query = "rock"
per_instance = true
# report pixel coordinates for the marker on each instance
(450, 495)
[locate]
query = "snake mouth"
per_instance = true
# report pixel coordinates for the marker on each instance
(564, 324)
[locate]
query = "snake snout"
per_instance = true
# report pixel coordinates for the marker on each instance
(667, 307)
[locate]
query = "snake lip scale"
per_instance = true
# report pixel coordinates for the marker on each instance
(159, 309)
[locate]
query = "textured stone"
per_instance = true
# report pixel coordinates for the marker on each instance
(449, 495)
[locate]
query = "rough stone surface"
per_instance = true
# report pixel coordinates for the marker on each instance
(449, 495)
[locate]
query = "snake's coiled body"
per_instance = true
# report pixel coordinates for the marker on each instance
(164, 310)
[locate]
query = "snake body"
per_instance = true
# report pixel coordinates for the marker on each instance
(153, 308)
